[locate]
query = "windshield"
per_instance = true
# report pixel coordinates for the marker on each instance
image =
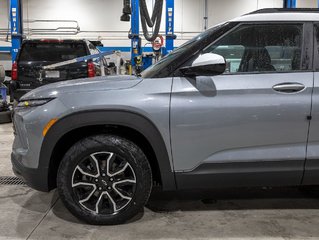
(177, 57)
(51, 52)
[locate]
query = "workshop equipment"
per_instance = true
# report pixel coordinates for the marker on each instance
(139, 10)
(5, 109)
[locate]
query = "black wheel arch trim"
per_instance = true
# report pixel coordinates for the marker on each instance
(128, 119)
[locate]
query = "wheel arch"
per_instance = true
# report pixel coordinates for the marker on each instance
(127, 124)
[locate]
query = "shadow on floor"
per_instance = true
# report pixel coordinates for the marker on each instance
(235, 199)
(221, 200)
(232, 213)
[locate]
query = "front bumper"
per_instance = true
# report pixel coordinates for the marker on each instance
(28, 125)
(35, 178)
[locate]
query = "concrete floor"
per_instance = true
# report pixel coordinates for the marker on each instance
(284, 213)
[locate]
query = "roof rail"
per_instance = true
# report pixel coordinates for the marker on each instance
(279, 10)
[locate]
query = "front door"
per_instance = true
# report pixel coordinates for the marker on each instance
(249, 126)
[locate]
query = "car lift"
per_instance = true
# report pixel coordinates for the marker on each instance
(136, 49)
(16, 39)
(17, 26)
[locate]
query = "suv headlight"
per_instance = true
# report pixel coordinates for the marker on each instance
(33, 102)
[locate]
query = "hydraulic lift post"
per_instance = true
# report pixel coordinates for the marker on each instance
(16, 20)
(135, 30)
(290, 3)
(169, 27)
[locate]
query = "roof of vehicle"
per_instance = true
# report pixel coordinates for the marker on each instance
(280, 14)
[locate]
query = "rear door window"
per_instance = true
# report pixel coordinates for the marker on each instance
(52, 52)
(316, 44)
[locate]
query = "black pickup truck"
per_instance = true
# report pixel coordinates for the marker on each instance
(27, 72)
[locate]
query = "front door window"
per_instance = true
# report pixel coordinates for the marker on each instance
(261, 48)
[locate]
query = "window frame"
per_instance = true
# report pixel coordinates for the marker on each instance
(315, 47)
(307, 47)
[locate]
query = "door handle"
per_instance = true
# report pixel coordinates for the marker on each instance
(289, 87)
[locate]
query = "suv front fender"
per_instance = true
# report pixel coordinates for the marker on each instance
(128, 119)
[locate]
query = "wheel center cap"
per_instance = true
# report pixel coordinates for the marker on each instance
(104, 182)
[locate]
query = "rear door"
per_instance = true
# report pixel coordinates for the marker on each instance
(249, 126)
(36, 54)
(312, 162)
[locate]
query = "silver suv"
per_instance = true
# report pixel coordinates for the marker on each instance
(236, 106)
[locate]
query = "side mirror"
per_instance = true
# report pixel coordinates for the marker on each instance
(208, 64)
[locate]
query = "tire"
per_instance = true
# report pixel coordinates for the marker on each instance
(81, 187)
(5, 117)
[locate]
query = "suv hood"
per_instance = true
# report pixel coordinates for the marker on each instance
(83, 85)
